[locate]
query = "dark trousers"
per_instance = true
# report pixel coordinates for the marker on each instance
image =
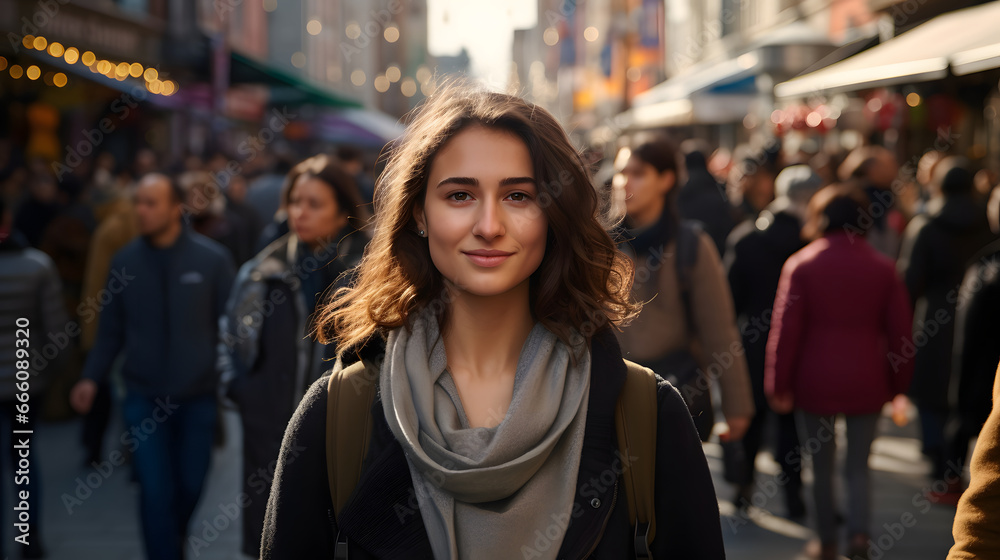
(819, 440)
(95, 423)
(740, 457)
(171, 444)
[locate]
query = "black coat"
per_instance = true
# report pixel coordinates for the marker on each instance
(937, 249)
(382, 518)
(976, 349)
(756, 254)
(702, 198)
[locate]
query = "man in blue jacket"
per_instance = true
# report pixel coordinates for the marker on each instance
(165, 294)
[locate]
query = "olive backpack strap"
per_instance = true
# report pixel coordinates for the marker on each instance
(635, 423)
(350, 392)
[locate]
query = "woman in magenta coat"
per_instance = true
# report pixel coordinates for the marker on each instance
(839, 344)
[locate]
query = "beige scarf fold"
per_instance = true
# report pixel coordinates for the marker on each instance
(488, 492)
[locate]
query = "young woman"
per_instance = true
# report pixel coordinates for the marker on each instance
(687, 330)
(837, 346)
(495, 289)
(264, 332)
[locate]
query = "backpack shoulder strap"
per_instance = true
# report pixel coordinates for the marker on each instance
(635, 423)
(350, 393)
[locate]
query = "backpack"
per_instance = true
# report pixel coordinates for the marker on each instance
(351, 393)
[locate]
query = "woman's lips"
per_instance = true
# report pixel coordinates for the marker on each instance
(487, 259)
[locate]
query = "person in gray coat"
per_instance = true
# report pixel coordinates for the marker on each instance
(34, 331)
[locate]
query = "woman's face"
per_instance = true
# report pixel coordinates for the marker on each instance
(484, 228)
(645, 191)
(313, 213)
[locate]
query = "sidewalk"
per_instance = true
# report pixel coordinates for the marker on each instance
(103, 525)
(906, 525)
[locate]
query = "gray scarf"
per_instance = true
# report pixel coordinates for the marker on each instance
(503, 492)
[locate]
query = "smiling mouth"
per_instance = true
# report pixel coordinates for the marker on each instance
(487, 259)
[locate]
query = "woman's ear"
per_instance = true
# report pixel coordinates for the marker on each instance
(418, 216)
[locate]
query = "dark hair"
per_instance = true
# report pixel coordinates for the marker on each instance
(837, 207)
(177, 193)
(342, 185)
(583, 282)
(661, 153)
(958, 179)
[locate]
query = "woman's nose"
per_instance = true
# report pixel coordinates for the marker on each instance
(489, 222)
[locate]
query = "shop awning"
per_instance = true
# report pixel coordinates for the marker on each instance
(964, 40)
(701, 78)
(361, 127)
(285, 87)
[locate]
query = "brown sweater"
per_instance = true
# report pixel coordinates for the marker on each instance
(977, 522)
(661, 327)
(116, 229)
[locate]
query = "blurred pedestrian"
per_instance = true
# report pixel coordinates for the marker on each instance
(687, 327)
(352, 160)
(875, 169)
(702, 198)
(976, 352)
(840, 305)
(275, 358)
(264, 193)
(30, 302)
(757, 252)
(936, 252)
(163, 311)
(39, 208)
(116, 228)
(212, 217)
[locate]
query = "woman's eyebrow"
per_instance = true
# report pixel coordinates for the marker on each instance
(472, 181)
(516, 181)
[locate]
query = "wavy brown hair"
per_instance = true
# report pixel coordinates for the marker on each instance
(583, 283)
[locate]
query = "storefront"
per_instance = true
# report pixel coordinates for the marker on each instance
(934, 86)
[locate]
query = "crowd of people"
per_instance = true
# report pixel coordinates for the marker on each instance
(850, 285)
(801, 287)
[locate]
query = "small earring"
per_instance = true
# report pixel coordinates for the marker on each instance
(421, 233)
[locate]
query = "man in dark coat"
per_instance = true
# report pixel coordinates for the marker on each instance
(702, 198)
(936, 250)
(163, 313)
(757, 251)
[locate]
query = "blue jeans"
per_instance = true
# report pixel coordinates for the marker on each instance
(171, 443)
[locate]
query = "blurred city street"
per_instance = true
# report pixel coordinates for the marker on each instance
(794, 202)
(105, 525)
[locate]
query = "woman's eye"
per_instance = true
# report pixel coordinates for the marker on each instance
(518, 196)
(459, 196)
